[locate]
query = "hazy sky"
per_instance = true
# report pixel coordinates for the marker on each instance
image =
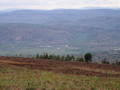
(55, 4)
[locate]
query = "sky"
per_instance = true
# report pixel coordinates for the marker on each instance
(57, 4)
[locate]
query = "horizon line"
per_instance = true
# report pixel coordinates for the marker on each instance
(83, 8)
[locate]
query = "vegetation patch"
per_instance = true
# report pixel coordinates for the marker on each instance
(22, 77)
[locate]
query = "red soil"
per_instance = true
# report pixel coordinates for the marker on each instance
(66, 67)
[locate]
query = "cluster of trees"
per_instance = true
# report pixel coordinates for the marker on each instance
(87, 57)
(107, 62)
(117, 62)
(56, 57)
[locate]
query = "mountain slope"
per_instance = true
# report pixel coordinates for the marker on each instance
(96, 29)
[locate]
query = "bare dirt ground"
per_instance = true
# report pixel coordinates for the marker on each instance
(66, 67)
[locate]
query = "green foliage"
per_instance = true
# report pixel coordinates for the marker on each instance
(88, 57)
(105, 61)
(37, 56)
(68, 58)
(117, 62)
(81, 59)
(62, 58)
(55, 57)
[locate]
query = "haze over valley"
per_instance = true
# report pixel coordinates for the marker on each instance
(59, 45)
(61, 29)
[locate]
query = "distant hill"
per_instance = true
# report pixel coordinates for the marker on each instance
(93, 29)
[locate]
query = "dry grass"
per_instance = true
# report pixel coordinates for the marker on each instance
(98, 70)
(25, 76)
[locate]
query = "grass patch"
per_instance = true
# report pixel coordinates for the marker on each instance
(13, 78)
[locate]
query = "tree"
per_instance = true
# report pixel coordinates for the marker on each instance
(46, 56)
(117, 62)
(105, 61)
(37, 56)
(62, 58)
(68, 58)
(88, 57)
(50, 56)
(81, 59)
(57, 57)
(72, 58)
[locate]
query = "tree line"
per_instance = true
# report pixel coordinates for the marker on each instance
(87, 57)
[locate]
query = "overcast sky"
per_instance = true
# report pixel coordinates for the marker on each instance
(57, 4)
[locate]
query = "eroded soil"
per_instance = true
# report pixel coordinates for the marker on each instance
(66, 67)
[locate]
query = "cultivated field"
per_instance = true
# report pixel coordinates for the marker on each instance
(31, 74)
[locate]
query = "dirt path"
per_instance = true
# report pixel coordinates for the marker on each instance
(66, 67)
